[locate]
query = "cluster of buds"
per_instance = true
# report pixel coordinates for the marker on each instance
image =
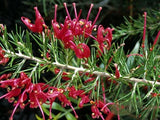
(72, 29)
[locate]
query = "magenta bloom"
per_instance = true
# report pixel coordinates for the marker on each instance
(15, 88)
(74, 28)
(104, 38)
(63, 33)
(82, 51)
(98, 107)
(39, 24)
(78, 93)
(82, 26)
(22, 92)
(95, 112)
(84, 99)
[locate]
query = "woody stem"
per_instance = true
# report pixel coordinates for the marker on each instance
(80, 69)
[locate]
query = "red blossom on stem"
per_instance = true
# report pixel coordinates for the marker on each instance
(84, 99)
(96, 113)
(63, 33)
(154, 94)
(78, 93)
(66, 102)
(103, 35)
(74, 28)
(98, 107)
(39, 24)
(15, 87)
(3, 59)
(74, 93)
(22, 92)
(82, 51)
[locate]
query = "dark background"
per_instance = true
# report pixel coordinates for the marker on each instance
(112, 13)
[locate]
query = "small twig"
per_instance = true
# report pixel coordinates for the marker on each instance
(75, 72)
(34, 69)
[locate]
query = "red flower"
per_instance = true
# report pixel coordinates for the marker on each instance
(74, 28)
(10, 96)
(100, 106)
(5, 76)
(78, 93)
(95, 112)
(3, 59)
(16, 88)
(37, 96)
(84, 99)
(63, 33)
(154, 94)
(52, 95)
(82, 50)
(109, 116)
(82, 26)
(39, 22)
(104, 35)
(22, 92)
(22, 87)
(21, 82)
(65, 102)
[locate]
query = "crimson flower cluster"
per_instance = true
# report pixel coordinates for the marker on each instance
(22, 92)
(72, 29)
(99, 107)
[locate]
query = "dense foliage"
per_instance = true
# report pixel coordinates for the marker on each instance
(69, 66)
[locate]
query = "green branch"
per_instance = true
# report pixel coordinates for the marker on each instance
(81, 69)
